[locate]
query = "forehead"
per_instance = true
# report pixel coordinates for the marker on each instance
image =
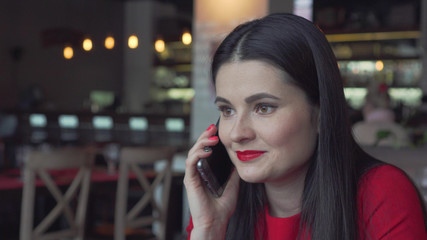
(251, 76)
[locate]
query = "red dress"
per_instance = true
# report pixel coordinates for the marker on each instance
(388, 205)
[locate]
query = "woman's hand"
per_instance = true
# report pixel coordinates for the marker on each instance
(210, 215)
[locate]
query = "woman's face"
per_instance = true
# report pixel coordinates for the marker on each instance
(267, 125)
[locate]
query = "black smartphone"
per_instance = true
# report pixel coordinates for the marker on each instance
(215, 170)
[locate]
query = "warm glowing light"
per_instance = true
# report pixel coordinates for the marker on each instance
(159, 45)
(379, 65)
(133, 41)
(109, 42)
(87, 44)
(225, 12)
(186, 38)
(353, 37)
(68, 52)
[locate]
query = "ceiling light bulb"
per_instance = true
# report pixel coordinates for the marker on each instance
(109, 42)
(133, 42)
(68, 52)
(87, 44)
(159, 45)
(186, 38)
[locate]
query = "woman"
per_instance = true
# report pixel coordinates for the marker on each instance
(299, 172)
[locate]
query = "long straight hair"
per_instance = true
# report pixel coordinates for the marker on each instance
(296, 46)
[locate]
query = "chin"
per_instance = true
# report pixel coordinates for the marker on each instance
(251, 178)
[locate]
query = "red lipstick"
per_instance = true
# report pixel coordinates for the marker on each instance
(248, 155)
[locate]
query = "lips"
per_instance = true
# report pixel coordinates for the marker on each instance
(248, 155)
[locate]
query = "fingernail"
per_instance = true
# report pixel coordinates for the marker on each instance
(209, 128)
(213, 138)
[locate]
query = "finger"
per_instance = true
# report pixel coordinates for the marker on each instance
(191, 173)
(202, 147)
(207, 138)
(210, 131)
(191, 161)
(203, 142)
(197, 152)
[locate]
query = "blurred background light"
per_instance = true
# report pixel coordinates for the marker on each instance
(109, 42)
(133, 42)
(87, 44)
(159, 45)
(186, 38)
(68, 52)
(379, 65)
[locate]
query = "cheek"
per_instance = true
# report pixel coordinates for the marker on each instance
(292, 132)
(224, 136)
(284, 133)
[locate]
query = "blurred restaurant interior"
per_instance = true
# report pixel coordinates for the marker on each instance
(107, 75)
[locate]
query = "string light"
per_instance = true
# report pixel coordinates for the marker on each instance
(186, 38)
(68, 52)
(87, 44)
(133, 42)
(109, 42)
(159, 45)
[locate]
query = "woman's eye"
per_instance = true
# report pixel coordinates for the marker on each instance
(264, 108)
(226, 111)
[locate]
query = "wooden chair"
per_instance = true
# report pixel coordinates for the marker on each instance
(38, 163)
(133, 159)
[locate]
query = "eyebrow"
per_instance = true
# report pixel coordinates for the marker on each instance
(258, 96)
(221, 99)
(249, 99)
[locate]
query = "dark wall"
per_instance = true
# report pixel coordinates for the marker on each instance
(32, 38)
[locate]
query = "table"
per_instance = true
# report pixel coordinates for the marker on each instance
(11, 179)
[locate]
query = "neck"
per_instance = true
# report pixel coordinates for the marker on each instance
(285, 196)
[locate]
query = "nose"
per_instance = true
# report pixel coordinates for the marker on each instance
(242, 130)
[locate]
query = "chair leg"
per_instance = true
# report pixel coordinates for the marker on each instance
(27, 208)
(121, 204)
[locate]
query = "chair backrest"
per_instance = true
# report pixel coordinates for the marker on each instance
(40, 163)
(133, 159)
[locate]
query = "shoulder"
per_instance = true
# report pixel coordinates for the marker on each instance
(386, 183)
(383, 176)
(389, 205)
